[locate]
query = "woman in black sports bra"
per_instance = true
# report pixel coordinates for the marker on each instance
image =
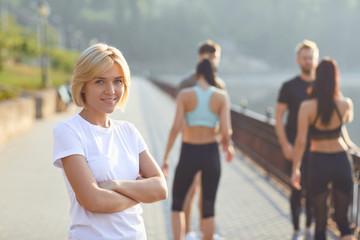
(320, 134)
(322, 117)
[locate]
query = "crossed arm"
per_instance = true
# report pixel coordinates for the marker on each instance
(149, 187)
(115, 195)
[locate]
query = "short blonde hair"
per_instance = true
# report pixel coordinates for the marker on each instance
(208, 47)
(94, 61)
(308, 45)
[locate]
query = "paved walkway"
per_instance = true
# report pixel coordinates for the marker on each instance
(34, 202)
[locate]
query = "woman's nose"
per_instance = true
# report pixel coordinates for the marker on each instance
(110, 88)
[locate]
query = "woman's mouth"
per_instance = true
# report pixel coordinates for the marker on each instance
(108, 100)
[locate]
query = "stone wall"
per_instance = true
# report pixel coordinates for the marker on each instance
(16, 116)
(19, 115)
(46, 103)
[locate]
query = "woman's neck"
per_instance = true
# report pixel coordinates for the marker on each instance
(99, 119)
(202, 83)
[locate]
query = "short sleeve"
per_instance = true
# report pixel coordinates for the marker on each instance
(185, 83)
(140, 140)
(66, 142)
(283, 95)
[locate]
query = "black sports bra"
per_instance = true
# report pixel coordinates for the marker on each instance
(318, 134)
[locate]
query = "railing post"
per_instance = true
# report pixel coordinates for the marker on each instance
(244, 104)
(268, 113)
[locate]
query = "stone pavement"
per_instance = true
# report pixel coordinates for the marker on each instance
(34, 202)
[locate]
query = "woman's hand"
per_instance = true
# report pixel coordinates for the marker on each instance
(165, 167)
(227, 148)
(296, 179)
(140, 178)
(229, 153)
(111, 184)
(106, 185)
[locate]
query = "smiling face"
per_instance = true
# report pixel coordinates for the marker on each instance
(103, 93)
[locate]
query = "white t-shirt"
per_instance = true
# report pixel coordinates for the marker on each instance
(111, 153)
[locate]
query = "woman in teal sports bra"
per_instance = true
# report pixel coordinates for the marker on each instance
(203, 106)
(322, 117)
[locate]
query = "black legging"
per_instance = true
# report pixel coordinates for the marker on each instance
(194, 158)
(332, 168)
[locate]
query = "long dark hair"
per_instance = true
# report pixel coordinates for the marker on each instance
(206, 69)
(326, 88)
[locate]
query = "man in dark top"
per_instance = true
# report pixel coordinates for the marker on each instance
(292, 93)
(211, 51)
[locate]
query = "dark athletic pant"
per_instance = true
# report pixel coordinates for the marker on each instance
(194, 158)
(332, 168)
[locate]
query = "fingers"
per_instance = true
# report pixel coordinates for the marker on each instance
(297, 186)
(165, 169)
(139, 178)
(295, 181)
(165, 173)
(229, 155)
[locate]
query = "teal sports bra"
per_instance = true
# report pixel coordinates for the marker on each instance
(202, 114)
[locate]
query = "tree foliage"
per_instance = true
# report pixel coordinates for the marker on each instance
(167, 32)
(16, 42)
(21, 44)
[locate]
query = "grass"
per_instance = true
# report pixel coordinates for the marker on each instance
(17, 78)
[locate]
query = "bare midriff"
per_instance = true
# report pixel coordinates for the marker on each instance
(199, 135)
(328, 145)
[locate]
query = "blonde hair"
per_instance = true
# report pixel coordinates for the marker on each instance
(208, 47)
(93, 62)
(308, 45)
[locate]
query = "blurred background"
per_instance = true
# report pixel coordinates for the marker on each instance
(41, 40)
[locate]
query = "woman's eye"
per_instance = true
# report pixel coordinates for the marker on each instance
(118, 81)
(99, 81)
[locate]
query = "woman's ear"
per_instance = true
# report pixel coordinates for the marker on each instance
(83, 88)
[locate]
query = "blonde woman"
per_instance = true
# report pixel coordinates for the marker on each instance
(107, 166)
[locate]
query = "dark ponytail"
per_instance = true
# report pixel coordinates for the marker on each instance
(326, 88)
(206, 69)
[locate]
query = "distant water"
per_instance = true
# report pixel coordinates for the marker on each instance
(261, 91)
